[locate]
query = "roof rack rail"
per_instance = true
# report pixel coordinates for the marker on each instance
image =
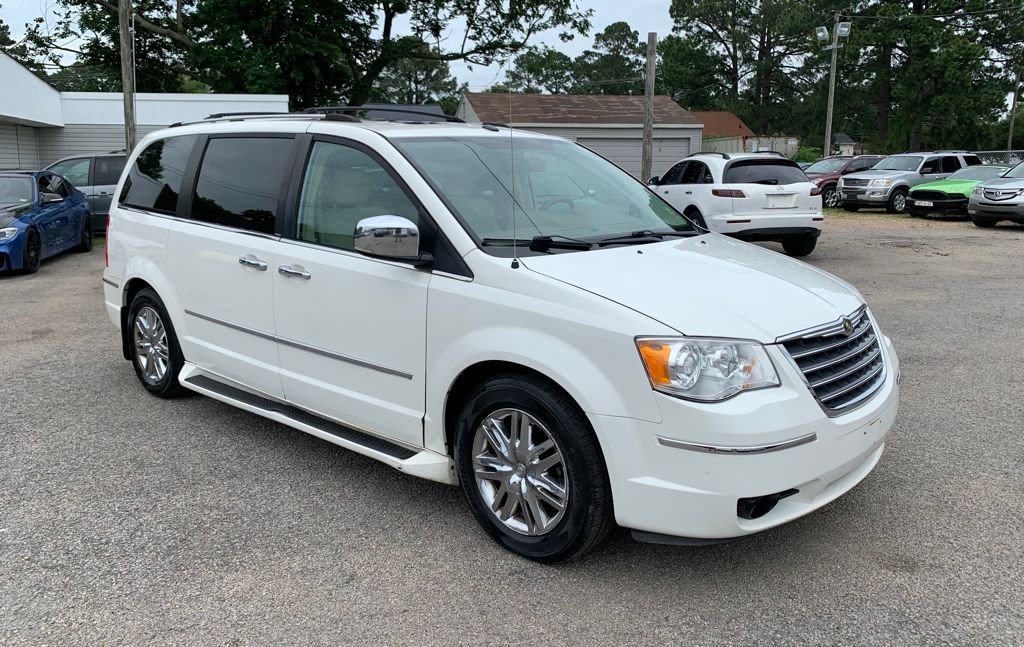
(779, 153)
(952, 150)
(245, 116)
(221, 115)
(724, 156)
(328, 110)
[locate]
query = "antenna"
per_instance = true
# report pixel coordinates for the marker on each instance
(512, 179)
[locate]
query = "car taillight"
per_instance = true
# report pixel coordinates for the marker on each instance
(728, 193)
(816, 190)
(106, 244)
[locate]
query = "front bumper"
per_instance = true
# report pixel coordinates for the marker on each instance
(864, 197)
(949, 205)
(996, 210)
(670, 490)
(12, 253)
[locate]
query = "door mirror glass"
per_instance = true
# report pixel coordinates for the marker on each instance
(49, 198)
(390, 237)
(654, 181)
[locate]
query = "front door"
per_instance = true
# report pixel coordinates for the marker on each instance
(224, 258)
(351, 329)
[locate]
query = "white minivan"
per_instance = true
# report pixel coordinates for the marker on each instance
(503, 311)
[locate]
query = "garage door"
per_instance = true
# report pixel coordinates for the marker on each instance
(626, 152)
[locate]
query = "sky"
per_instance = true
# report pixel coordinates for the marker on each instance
(642, 15)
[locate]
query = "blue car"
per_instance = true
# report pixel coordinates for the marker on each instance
(41, 214)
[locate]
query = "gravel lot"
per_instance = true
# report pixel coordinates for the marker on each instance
(129, 519)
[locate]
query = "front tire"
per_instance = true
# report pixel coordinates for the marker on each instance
(984, 223)
(830, 197)
(801, 246)
(531, 469)
(156, 355)
(897, 202)
(32, 255)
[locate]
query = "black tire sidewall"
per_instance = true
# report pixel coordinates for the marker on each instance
(570, 430)
(801, 246)
(698, 218)
(169, 385)
(25, 267)
(85, 244)
(984, 223)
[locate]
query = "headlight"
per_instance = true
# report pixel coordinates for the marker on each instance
(840, 183)
(978, 190)
(8, 233)
(706, 370)
(881, 183)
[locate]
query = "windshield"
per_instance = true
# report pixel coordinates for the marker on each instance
(15, 190)
(833, 165)
(561, 189)
(978, 173)
(758, 171)
(1016, 171)
(899, 163)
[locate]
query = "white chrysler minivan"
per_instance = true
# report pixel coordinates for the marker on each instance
(503, 311)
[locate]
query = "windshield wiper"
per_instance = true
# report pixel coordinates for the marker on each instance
(644, 236)
(540, 243)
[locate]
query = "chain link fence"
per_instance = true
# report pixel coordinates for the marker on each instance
(1008, 158)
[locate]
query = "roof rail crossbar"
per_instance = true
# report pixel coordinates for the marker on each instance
(724, 156)
(327, 110)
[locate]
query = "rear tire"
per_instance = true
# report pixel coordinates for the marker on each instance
(800, 246)
(549, 505)
(85, 242)
(155, 353)
(984, 223)
(32, 255)
(897, 202)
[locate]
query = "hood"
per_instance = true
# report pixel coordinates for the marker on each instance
(962, 187)
(708, 285)
(12, 212)
(872, 173)
(1004, 182)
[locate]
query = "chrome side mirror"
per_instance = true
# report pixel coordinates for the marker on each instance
(391, 237)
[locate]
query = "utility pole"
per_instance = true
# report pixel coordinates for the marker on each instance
(647, 155)
(124, 18)
(827, 148)
(1013, 111)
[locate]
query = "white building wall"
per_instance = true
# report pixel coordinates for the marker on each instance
(158, 109)
(25, 98)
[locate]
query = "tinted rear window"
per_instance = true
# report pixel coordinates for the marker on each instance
(240, 180)
(107, 170)
(155, 179)
(764, 172)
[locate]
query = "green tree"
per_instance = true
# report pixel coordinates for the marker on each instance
(615, 65)
(541, 69)
(417, 81)
(691, 74)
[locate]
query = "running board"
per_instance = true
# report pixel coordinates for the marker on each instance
(423, 463)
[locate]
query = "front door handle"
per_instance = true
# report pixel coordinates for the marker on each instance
(253, 262)
(294, 272)
(689, 193)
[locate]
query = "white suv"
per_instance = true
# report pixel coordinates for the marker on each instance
(506, 312)
(750, 196)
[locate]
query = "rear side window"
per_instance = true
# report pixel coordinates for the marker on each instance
(107, 170)
(155, 179)
(758, 171)
(972, 160)
(240, 181)
(950, 164)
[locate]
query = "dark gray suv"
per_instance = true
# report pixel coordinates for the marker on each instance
(95, 176)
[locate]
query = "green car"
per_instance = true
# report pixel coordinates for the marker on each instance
(950, 195)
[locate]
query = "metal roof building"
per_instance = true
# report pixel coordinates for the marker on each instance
(38, 124)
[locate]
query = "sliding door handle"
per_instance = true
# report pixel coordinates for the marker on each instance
(294, 272)
(253, 262)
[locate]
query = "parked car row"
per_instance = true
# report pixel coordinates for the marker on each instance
(41, 215)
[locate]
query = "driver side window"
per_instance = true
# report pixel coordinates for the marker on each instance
(341, 186)
(931, 166)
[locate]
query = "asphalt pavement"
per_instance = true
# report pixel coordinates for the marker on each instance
(126, 519)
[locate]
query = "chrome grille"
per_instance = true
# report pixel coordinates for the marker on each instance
(854, 181)
(843, 369)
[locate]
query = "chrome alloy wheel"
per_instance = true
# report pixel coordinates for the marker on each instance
(899, 202)
(831, 198)
(150, 339)
(520, 472)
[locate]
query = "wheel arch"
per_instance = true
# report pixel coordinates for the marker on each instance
(141, 273)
